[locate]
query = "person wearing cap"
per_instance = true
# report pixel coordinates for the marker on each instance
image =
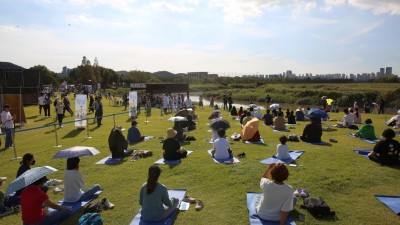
(74, 183)
(299, 115)
(32, 200)
(118, 144)
(154, 197)
(386, 151)
(172, 147)
(134, 135)
(367, 131)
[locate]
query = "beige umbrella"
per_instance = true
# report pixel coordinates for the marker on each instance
(250, 129)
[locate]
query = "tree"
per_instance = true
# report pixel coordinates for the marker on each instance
(47, 76)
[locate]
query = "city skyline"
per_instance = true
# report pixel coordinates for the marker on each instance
(219, 36)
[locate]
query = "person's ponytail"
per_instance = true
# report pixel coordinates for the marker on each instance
(151, 183)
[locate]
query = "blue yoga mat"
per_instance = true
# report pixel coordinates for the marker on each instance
(180, 194)
(260, 142)
(227, 161)
(293, 156)
(364, 139)
(110, 161)
(393, 202)
(363, 152)
(254, 219)
(170, 162)
(76, 206)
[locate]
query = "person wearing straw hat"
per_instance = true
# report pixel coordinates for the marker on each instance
(154, 198)
(172, 147)
(32, 200)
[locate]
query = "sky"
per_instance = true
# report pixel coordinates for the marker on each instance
(227, 37)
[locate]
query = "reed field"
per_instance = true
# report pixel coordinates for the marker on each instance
(346, 180)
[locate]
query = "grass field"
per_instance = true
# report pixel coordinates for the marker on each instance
(347, 181)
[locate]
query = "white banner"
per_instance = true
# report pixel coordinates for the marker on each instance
(80, 110)
(132, 103)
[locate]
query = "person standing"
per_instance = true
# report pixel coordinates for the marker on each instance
(230, 102)
(381, 106)
(60, 112)
(225, 100)
(268, 99)
(8, 124)
(67, 106)
(41, 103)
(46, 106)
(98, 107)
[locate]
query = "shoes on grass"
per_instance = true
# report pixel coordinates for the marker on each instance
(54, 182)
(107, 204)
(58, 189)
(333, 140)
(299, 192)
(242, 155)
(17, 208)
(199, 205)
(7, 211)
(188, 199)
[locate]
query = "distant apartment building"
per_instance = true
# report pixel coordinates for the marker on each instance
(389, 71)
(200, 75)
(65, 72)
(382, 72)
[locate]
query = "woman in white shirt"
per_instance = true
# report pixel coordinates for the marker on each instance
(74, 184)
(277, 199)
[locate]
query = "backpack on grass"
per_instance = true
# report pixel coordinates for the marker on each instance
(91, 219)
(317, 207)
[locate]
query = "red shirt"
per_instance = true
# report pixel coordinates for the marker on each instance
(32, 199)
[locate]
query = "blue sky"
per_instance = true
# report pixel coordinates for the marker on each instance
(228, 37)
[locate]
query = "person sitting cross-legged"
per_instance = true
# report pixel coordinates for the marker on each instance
(172, 147)
(277, 199)
(118, 144)
(367, 131)
(74, 184)
(386, 151)
(313, 131)
(222, 148)
(134, 135)
(32, 200)
(154, 198)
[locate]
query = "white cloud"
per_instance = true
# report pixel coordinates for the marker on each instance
(169, 7)
(361, 32)
(378, 7)
(82, 18)
(301, 6)
(237, 11)
(106, 2)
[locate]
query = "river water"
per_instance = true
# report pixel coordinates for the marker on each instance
(206, 103)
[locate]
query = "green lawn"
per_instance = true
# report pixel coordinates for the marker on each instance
(344, 179)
